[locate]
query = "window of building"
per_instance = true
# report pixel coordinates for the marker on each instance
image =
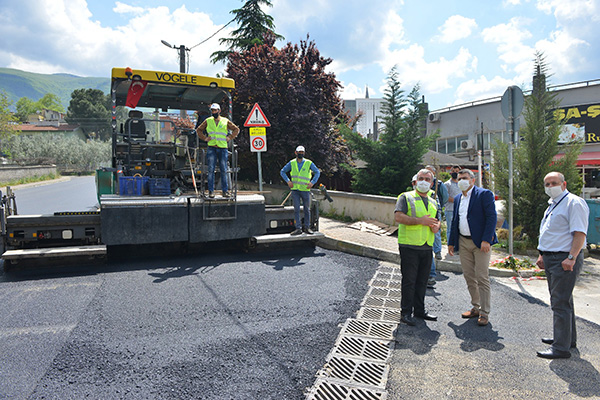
(441, 146)
(451, 146)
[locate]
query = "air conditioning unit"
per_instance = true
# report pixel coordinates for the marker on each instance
(466, 144)
(434, 117)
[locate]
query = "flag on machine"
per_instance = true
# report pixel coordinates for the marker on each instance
(135, 92)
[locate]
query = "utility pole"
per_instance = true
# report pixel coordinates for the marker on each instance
(182, 63)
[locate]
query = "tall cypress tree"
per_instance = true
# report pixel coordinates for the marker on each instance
(253, 23)
(535, 155)
(394, 159)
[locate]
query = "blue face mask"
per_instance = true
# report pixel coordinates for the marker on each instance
(300, 156)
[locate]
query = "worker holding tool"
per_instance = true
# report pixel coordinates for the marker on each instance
(214, 130)
(301, 170)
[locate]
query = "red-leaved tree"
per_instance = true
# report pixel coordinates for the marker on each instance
(300, 100)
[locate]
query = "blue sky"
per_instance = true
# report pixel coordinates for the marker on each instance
(457, 51)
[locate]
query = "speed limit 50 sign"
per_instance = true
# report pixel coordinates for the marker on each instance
(258, 139)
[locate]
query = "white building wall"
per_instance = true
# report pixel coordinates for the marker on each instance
(371, 111)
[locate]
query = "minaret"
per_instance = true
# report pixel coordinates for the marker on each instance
(367, 92)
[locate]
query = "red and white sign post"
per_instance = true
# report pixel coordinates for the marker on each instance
(258, 123)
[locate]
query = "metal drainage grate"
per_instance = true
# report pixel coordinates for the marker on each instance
(393, 275)
(381, 302)
(370, 349)
(389, 269)
(324, 390)
(356, 371)
(384, 292)
(385, 283)
(377, 330)
(380, 314)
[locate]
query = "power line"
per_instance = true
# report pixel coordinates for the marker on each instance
(211, 36)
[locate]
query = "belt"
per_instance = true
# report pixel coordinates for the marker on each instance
(465, 236)
(552, 252)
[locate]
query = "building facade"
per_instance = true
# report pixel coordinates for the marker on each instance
(370, 122)
(468, 128)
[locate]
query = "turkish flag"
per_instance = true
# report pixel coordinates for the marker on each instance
(135, 92)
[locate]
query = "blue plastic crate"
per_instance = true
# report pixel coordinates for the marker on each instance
(132, 185)
(159, 186)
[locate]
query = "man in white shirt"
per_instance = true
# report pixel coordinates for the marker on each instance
(562, 237)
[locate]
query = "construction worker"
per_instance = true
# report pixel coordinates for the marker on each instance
(301, 170)
(214, 130)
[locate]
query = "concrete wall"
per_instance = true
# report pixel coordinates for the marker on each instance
(12, 173)
(354, 205)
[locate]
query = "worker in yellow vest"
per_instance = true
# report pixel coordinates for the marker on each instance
(418, 218)
(304, 174)
(215, 130)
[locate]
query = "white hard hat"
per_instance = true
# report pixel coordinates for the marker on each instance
(299, 149)
(414, 178)
(215, 106)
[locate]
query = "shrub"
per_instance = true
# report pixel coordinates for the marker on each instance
(510, 262)
(68, 153)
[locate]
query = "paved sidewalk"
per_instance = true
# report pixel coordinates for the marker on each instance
(340, 236)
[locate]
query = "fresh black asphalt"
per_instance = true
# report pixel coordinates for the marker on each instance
(217, 326)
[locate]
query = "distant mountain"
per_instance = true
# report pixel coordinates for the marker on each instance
(17, 84)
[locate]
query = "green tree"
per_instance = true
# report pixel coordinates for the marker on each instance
(535, 156)
(50, 101)
(300, 99)
(392, 161)
(90, 108)
(7, 120)
(25, 107)
(253, 23)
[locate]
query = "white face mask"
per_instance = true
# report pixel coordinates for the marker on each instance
(463, 185)
(553, 191)
(423, 186)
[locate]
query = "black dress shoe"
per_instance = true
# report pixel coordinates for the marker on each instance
(427, 316)
(408, 320)
(548, 340)
(552, 354)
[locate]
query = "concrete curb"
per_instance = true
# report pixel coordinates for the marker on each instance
(393, 257)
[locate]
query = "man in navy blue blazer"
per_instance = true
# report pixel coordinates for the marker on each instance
(474, 232)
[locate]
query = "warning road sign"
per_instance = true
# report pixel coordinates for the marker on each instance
(258, 139)
(256, 117)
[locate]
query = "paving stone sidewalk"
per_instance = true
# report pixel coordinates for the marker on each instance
(341, 236)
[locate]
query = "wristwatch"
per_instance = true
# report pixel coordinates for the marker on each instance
(570, 256)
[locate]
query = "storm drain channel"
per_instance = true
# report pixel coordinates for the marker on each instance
(358, 365)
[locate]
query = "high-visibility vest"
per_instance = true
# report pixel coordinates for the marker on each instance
(417, 235)
(301, 178)
(217, 133)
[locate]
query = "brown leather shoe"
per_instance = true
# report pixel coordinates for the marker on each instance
(482, 320)
(472, 313)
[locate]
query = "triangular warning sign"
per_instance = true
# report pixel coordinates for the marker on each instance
(256, 117)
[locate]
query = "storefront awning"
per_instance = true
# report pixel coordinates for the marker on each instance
(584, 159)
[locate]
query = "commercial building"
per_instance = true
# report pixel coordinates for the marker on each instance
(466, 129)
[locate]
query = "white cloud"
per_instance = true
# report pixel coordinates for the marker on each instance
(512, 50)
(352, 91)
(574, 9)
(455, 28)
(122, 8)
(62, 34)
(482, 88)
(393, 31)
(433, 77)
(561, 49)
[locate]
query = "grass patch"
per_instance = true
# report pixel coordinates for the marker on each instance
(30, 179)
(337, 217)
